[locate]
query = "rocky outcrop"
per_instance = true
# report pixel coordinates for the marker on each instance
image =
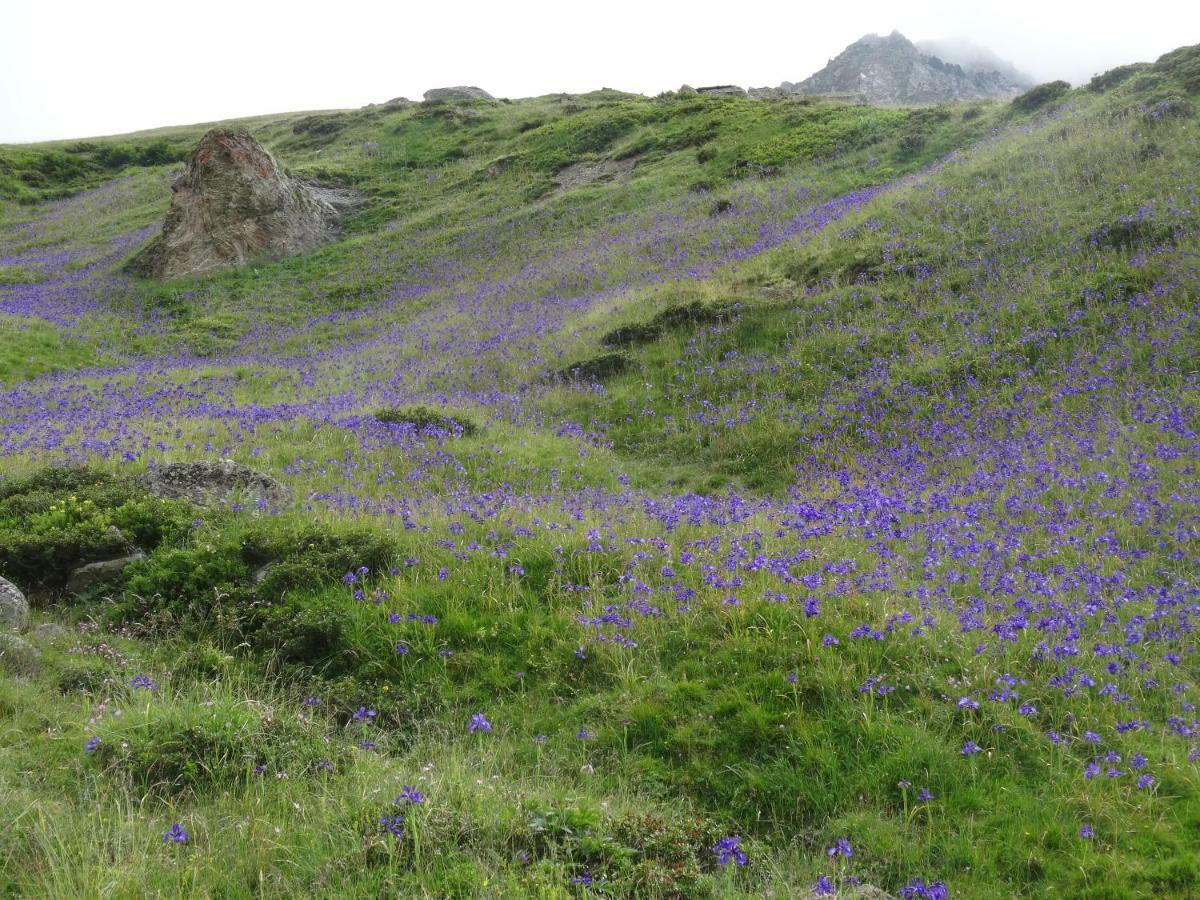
(723, 90)
(461, 92)
(233, 204)
(891, 70)
(14, 608)
(767, 93)
(215, 483)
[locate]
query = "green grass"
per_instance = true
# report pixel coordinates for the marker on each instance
(971, 288)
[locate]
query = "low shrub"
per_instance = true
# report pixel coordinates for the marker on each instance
(303, 634)
(644, 853)
(422, 418)
(1182, 64)
(60, 518)
(1131, 232)
(1114, 77)
(185, 748)
(598, 368)
(672, 318)
(1037, 97)
(319, 125)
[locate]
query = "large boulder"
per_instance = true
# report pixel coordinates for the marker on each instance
(215, 483)
(233, 204)
(14, 608)
(460, 92)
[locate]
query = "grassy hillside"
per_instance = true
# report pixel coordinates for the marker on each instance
(677, 483)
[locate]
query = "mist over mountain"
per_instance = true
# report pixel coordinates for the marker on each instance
(892, 70)
(974, 58)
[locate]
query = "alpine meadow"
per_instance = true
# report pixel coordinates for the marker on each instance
(714, 494)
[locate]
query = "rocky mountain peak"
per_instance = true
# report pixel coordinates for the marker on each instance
(891, 70)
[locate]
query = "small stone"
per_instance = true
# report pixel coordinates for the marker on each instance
(99, 572)
(14, 608)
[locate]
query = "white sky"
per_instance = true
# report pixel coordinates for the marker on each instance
(75, 68)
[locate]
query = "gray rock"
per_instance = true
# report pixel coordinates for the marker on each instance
(215, 483)
(233, 204)
(460, 92)
(49, 632)
(767, 93)
(260, 574)
(99, 572)
(588, 172)
(18, 657)
(722, 90)
(14, 608)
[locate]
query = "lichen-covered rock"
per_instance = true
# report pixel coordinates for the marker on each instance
(214, 483)
(18, 657)
(99, 572)
(459, 92)
(233, 204)
(49, 632)
(14, 608)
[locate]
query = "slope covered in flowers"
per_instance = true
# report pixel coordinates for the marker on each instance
(878, 565)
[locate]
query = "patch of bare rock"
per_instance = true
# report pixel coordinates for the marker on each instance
(584, 173)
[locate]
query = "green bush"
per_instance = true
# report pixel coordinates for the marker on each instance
(422, 417)
(60, 518)
(1183, 64)
(598, 368)
(1037, 97)
(303, 634)
(643, 853)
(192, 589)
(313, 555)
(675, 317)
(186, 748)
(1114, 77)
